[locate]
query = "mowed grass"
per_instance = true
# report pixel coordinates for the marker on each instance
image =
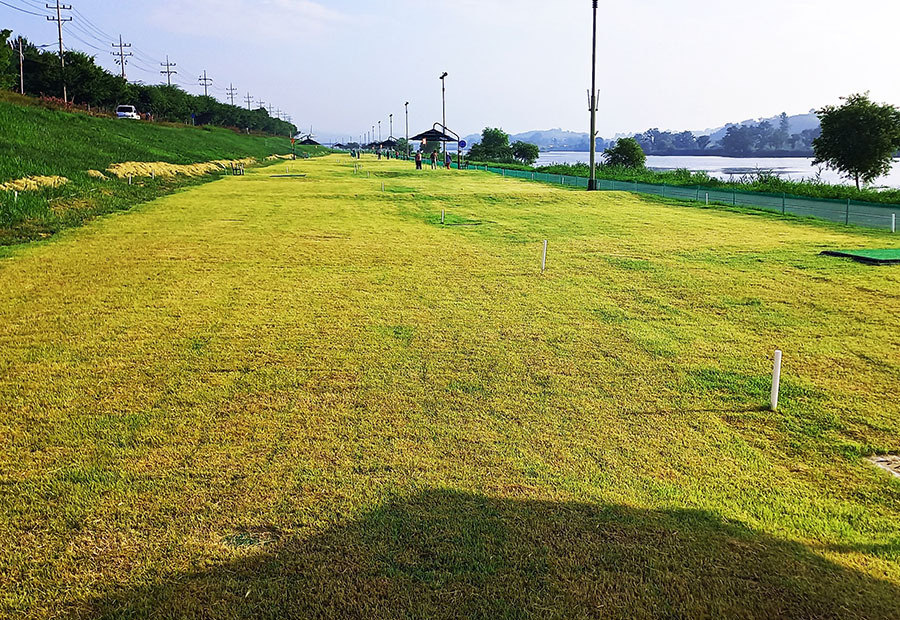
(305, 397)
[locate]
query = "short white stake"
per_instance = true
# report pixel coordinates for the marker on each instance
(152, 175)
(544, 259)
(707, 199)
(776, 382)
(16, 195)
(442, 216)
(893, 222)
(129, 179)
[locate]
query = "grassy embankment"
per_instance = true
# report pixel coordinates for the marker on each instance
(35, 141)
(305, 397)
(760, 181)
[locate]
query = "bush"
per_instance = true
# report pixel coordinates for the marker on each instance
(626, 153)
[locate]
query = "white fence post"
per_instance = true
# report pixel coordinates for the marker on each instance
(776, 382)
(544, 259)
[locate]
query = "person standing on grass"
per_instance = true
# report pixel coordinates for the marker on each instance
(418, 160)
(448, 160)
(434, 160)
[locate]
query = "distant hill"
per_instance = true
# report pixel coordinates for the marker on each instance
(562, 140)
(551, 140)
(798, 123)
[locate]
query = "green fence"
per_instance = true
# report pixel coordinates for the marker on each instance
(867, 214)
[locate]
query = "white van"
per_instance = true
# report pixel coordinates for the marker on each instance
(127, 111)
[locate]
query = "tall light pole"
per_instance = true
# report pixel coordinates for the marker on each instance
(592, 100)
(444, 104)
(407, 128)
(391, 137)
(379, 132)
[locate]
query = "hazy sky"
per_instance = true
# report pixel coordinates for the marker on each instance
(341, 65)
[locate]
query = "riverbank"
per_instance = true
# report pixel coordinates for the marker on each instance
(745, 180)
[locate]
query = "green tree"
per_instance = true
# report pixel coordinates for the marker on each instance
(703, 142)
(525, 152)
(626, 153)
(859, 138)
(8, 67)
(494, 146)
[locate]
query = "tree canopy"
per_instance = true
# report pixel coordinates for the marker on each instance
(525, 152)
(626, 153)
(859, 138)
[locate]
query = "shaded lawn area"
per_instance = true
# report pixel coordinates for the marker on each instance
(270, 397)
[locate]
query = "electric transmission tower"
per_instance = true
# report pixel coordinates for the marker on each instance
(168, 72)
(121, 55)
(232, 91)
(205, 82)
(59, 19)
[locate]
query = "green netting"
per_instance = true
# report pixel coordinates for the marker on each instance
(882, 257)
(843, 211)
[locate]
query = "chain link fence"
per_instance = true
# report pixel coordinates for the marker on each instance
(870, 215)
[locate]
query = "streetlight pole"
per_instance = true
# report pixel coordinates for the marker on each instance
(379, 131)
(592, 183)
(407, 129)
(444, 104)
(391, 137)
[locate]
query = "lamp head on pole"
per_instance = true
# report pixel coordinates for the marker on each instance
(445, 75)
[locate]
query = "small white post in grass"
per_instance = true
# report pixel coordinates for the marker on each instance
(16, 195)
(776, 382)
(442, 216)
(544, 258)
(893, 222)
(152, 175)
(129, 179)
(707, 199)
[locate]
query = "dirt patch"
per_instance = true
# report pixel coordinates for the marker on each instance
(887, 462)
(33, 183)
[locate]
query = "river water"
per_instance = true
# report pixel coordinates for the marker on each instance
(732, 168)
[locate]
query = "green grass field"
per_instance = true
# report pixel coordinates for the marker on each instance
(305, 397)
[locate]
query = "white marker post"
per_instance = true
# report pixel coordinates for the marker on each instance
(893, 222)
(707, 199)
(129, 179)
(544, 258)
(16, 195)
(776, 382)
(442, 216)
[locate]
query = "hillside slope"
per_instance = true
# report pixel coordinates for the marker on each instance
(50, 143)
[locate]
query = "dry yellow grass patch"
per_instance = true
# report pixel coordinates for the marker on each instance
(30, 184)
(96, 174)
(146, 169)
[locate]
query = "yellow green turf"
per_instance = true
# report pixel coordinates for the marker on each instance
(305, 397)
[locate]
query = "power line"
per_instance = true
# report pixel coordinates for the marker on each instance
(12, 6)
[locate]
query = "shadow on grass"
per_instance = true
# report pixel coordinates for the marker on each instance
(445, 554)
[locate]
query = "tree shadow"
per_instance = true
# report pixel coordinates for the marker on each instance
(444, 554)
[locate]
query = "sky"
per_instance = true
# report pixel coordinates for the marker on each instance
(340, 66)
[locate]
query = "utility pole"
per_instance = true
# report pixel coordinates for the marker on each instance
(407, 129)
(59, 19)
(249, 100)
(168, 72)
(391, 137)
(205, 81)
(592, 101)
(444, 103)
(21, 68)
(232, 91)
(261, 105)
(121, 54)
(379, 131)
(271, 108)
